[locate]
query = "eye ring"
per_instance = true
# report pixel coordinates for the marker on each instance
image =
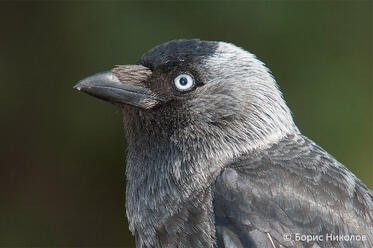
(184, 82)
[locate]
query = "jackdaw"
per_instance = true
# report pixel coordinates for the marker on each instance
(215, 159)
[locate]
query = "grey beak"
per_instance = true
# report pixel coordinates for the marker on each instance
(105, 85)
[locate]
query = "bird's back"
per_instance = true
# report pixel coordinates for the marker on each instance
(293, 194)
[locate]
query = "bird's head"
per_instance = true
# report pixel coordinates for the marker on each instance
(195, 89)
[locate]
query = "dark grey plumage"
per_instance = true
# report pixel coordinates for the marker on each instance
(222, 163)
(293, 187)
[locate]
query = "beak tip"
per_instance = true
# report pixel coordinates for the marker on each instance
(100, 77)
(78, 86)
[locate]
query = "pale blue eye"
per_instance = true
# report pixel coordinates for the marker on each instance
(184, 82)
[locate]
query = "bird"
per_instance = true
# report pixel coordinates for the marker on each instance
(215, 158)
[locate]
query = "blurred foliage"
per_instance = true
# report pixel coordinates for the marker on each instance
(62, 173)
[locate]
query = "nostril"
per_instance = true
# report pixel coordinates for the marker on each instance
(132, 74)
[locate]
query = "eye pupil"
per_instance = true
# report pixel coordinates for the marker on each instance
(183, 81)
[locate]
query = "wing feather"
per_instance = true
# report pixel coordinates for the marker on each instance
(291, 189)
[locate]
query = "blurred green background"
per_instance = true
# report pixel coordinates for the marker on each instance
(63, 153)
